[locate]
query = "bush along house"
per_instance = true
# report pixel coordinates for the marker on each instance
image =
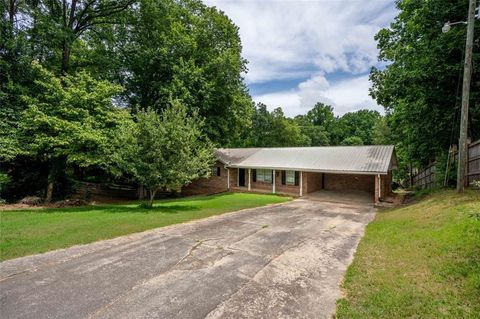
(300, 170)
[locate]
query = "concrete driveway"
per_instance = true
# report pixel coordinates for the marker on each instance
(277, 261)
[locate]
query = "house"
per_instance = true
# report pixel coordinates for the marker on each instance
(300, 170)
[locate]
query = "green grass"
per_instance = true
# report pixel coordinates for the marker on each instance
(418, 261)
(25, 232)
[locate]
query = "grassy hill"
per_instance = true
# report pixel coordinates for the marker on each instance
(418, 261)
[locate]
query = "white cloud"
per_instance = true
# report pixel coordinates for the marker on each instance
(293, 39)
(282, 38)
(345, 96)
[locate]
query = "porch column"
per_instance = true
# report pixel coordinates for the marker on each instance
(228, 178)
(249, 173)
(379, 186)
(301, 183)
(273, 188)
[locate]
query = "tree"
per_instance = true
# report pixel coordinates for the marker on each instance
(321, 115)
(69, 121)
(273, 129)
(316, 135)
(352, 140)
(419, 87)
(359, 123)
(186, 51)
(58, 25)
(163, 152)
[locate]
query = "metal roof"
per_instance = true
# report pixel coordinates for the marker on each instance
(371, 159)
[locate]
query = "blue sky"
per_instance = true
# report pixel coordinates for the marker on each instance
(305, 51)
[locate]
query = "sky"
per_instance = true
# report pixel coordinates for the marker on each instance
(306, 51)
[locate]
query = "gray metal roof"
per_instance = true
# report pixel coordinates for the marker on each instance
(371, 159)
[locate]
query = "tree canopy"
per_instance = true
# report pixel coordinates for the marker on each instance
(420, 87)
(163, 152)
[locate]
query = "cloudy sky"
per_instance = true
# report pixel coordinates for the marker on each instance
(304, 51)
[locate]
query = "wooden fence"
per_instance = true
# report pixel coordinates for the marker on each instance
(473, 167)
(426, 178)
(111, 192)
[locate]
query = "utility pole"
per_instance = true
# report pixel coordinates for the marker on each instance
(467, 73)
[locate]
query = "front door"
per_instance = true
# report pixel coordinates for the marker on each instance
(241, 177)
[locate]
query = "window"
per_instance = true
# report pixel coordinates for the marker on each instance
(290, 177)
(264, 175)
(216, 171)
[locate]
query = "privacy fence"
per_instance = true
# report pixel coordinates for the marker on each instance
(427, 177)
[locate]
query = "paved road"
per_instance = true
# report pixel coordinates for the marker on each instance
(277, 261)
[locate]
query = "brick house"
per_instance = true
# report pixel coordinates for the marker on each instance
(300, 170)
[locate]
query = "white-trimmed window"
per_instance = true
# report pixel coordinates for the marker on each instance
(264, 175)
(290, 177)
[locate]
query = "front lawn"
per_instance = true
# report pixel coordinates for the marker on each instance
(418, 261)
(25, 232)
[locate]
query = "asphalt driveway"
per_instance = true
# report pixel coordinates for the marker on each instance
(277, 261)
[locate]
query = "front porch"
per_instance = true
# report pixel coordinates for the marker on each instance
(300, 183)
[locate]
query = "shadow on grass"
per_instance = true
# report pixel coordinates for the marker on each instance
(113, 209)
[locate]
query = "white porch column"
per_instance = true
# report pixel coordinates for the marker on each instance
(273, 188)
(228, 178)
(379, 186)
(249, 173)
(301, 183)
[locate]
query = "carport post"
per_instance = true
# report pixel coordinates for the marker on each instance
(301, 184)
(273, 188)
(249, 173)
(379, 188)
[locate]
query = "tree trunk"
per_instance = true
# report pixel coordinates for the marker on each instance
(410, 175)
(141, 192)
(12, 10)
(50, 183)
(65, 57)
(153, 191)
(57, 166)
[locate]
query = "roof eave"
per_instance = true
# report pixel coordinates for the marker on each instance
(312, 170)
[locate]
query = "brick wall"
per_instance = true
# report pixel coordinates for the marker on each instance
(386, 186)
(350, 182)
(312, 182)
(210, 185)
(233, 177)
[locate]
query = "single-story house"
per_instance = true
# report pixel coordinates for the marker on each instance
(300, 170)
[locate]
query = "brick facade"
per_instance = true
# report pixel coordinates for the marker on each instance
(385, 186)
(209, 185)
(350, 182)
(312, 182)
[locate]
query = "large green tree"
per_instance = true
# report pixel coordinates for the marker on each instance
(186, 51)
(273, 129)
(360, 124)
(420, 86)
(163, 152)
(69, 121)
